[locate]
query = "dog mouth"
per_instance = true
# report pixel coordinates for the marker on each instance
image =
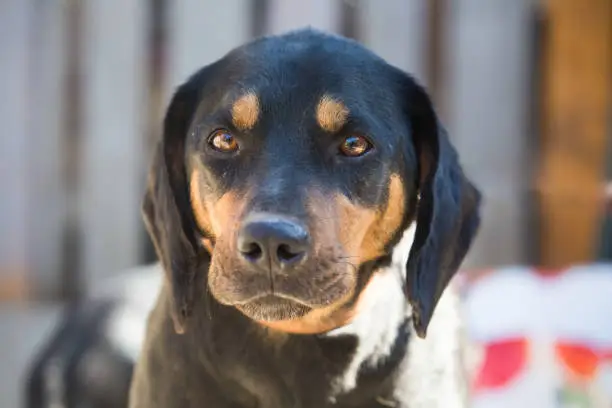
(271, 308)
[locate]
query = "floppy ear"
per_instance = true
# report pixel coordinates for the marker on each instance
(447, 215)
(167, 210)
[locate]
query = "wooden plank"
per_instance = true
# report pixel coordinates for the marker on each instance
(47, 191)
(286, 15)
(576, 102)
(200, 31)
(397, 31)
(15, 24)
(487, 50)
(111, 184)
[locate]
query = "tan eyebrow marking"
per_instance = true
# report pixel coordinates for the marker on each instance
(245, 111)
(331, 113)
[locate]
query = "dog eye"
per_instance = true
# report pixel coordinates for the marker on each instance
(223, 141)
(354, 146)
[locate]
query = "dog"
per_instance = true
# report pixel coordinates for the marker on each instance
(309, 211)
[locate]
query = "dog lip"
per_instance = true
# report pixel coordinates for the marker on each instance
(273, 308)
(328, 291)
(268, 295)
(273, 298)
(284, 296)
(318, 302)
(283, 291)
(250, 299)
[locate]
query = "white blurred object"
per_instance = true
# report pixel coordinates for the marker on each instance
(136, 291)
(548, 337)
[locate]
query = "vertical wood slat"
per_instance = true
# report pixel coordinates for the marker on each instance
(396, 30)
(15, 17)
(286, 15)
(111, 185)
(576, 108)
(201, 31)
(47, 191)
(487, 53)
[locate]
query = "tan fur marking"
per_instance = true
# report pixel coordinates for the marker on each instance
(331, 114)
(216, 218)
(245, 111)
(225, 213)
(364, 232)
(387, 223)
(353, 224)
(199, 208)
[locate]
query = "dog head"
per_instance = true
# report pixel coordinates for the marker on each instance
(290, 168)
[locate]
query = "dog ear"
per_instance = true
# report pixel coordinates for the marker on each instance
(167, 211)
(447, 211)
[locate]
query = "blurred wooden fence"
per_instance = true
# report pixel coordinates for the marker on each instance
(86, 83)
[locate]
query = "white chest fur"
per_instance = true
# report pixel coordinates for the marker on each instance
(433, 375)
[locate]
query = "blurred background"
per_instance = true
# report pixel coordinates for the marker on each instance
(524, 87)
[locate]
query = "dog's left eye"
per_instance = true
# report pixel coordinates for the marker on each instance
(222, 140)
(355, 146)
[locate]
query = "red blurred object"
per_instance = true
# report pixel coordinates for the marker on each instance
(504, 360)
(582, 361)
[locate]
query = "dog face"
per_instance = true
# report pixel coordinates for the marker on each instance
(290, 168)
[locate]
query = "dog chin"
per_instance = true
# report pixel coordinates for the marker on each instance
(272, 308)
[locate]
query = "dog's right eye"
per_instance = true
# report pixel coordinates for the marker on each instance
(223, 141)
(355, 146)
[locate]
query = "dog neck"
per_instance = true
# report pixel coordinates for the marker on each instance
(382, 315)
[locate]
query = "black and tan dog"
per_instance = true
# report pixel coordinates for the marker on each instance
(309, 212)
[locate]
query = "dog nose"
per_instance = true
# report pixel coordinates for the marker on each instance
(266, 240)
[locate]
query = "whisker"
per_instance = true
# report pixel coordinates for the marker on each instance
(207, 299)
(320, 217)
(348, 257)
(355, 267)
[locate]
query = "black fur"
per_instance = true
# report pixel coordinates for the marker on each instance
(224, 359)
